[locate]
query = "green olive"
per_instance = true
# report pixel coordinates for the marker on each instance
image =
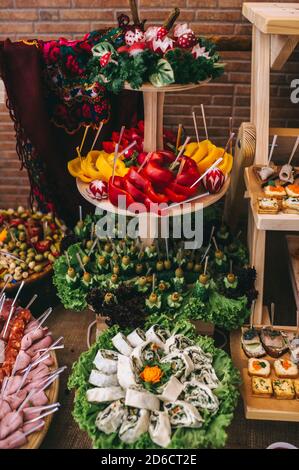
(11, 245)
(116, 269)
(159, 265)
(179, 273)
(175, 296)
(219, 254)
(46, 254)
(231, 278)
(108, 247)
(142, 281)
(51, 258)
(38, 268)
(102, 260)
(22, 236)
(71, 273)
(126, 260)
(167, 264)
(86, 277)
(108, 298)
(21, 227)
(203, 278)
(189, 266)
(114, 278)
(89, 244)
(197, 268)
(139, 268)
(85, 259)
(152, 248)
(23, 246)
(38, 257)
(80, 224)
(153, 298)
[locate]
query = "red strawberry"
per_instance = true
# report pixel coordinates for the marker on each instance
(187, 40)
(161, 33)
(105, 59)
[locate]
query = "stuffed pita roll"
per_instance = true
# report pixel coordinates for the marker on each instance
(145, 352)
(177, 343)
(181, 364)
(135, 424)
(200, 396)
(207, 376)
(104, 394)
(98, 379)
(159, 428)
(171, 390)
(137, 337)
(198, 357)
(183, 415)
(110, 419)
(127, 377)
(121, 343)
(157, 335)
(140, 398)
(106, 361)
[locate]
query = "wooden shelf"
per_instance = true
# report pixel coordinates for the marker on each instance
(260, 408)
(175, 87)
(273, 18)
(293, 250)
(282, 222)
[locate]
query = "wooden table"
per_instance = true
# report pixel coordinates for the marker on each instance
(65, 434)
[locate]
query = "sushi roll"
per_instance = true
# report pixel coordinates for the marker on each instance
(181, 364)
(121, 343)
(110, 419)
(134, 424)
(106, 361)
(183, 415)
(137, 337)
(140, 398)
(147, 351)
(171, 390)
(159, 428)
(177, 343)
(157, 335)
(104, 394)
(98, 379)
(125, 372)
(200, 396)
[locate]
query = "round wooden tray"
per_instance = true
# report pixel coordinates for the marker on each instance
(35, 440)
(194, 206)
(29, 281)
(175, 87)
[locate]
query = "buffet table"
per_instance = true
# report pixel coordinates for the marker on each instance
(241, 434)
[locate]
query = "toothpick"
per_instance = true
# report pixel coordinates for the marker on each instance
(36, 428)
(80, 262)
(185, 202)
(272, 313)
(146, 159)
(206, 172)
(43, 415)
(92, 247)
(154, 282)
(294, 150)
(180, 153)
(204, 121)
(228, 143)
(96, 136)
(215, 243)
(181, 168)
(179, 136)
(46, 314)
(127, 148)
(12, 309)
(252, 314)
(206, 252)
(231, 266)
(83, 139)
(31, 301)
(121, 134)
(211, 234)
(206, 265)
(80, 213)
(166, 248)
(9, 278)
(67, 259)
(272, 148)
(114, 160)
(195, 126)
(92, 231)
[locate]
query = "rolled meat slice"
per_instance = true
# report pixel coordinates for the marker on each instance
(157, 335)
(44, 343)
(10, 423)
(29, 338)
(159, 428)
(181, 364)
(171, 390)
(134, 425)
(28, 427)
(16, 399)
(22, 361)
(110, 419)
(4, 408)
(13, 384)
(121, 343)
(200, 396)
(2, 351)
(98, 379)
(286, 174)
(14, 441)
(126, 375)
(183, 415)
(136, 337)
(106, 361)
(177, 343)
(140, 398)
(39, 398)
(104, 394)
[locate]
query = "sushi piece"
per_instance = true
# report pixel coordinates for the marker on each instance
(140, 398)
(251, 343)
(125, 372)
(157, 335)
(171, 390)
(159, 428)
(121, 343)
(110, 419)
(135, 423)
(177, 343)
(98, 379)
(183, 415)
(104, 394)
(181, 364)
(200, 396)
(137, 337)
(106, 361)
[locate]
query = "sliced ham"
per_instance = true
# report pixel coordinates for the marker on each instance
(10, 423)
(31, 337)
(13, 384)
(15, 440)
(39, 398)
(4, 408)
(28, 427)
(22, 361)
(17, 399)
(32, 412)
(48, 362)
(38, 372)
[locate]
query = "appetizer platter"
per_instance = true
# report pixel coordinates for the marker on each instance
(29, 375)
(268, 358)
(150, 388)
(164, 281)
(29, 244)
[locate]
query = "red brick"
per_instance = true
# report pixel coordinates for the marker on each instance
(16, 27)
(42, 3)
(161, 15)
(186, 99)
(212, 28)
(197, 3)
(18, 15)
(6, 3)
(49, 15)
(100, 3)
(59, 28)
(160, 3)
(243, 29)
(222, 100)
(87, 14)
(218, 15)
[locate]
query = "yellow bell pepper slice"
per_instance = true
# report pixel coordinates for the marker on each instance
(213, 155)
(202, 151)
(88, 165)
(190, 149)
(74, 167)
(226, 165)
(104, 165)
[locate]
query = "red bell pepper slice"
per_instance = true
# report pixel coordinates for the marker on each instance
(174, 197)
(137, 195)
(163, 157)
(43, 245)
(181, 189)
(137, 178)
(157, 174)
(115, 190)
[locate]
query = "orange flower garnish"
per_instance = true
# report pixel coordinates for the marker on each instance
(3, 235)
(286, 364)
(256, 365)
(151, 374)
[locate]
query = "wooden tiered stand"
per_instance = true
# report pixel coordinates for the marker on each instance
(275, 36)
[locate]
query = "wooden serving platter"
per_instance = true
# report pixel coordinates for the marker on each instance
(258, 407)
(293, 249)
(11, 287)
(35, 440)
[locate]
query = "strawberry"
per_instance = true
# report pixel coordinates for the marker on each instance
(161, 32)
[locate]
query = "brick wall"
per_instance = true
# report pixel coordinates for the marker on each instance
(228, 96)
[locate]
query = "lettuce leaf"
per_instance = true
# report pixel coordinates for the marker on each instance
(213, 433)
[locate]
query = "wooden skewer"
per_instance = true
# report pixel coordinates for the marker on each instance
(206, 265)
(97, 136)
(67, 259)
(231, 266)
(148, 156)
(31, 301)
(43, 415)
(166, 248)
(9, 278)
(215, 243)
(92, 247)
(211, 234)
(83, 139)
(252, 314)
(12, 309)
(272, 148)
(272, 313)
(154, 282)
(294, 150)
(121, 134)
(195, 126)
(207, 171)
(230, 132)
(179, 136)
(127, 148)
(180, 153)
(80, 262)
(204, 121)
(206, 252)
(181, 168)
(80, 213)
(31, 431)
